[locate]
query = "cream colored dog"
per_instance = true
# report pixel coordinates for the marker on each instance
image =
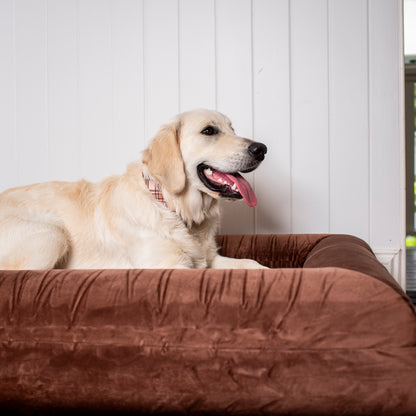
(162, 213)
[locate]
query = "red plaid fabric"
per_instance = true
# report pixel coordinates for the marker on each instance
(155, 190)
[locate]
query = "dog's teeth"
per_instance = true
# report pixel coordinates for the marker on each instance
(208, 171)
(234, 187)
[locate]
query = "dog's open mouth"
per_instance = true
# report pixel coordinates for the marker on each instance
(228, 185)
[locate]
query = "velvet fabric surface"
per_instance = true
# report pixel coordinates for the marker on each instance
(326, 331)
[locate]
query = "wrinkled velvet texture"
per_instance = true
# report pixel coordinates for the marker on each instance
(326, 332)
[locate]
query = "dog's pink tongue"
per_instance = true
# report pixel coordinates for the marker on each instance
(244, 188)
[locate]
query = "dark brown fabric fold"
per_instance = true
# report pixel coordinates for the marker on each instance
(351, 253)
(287, 341)
(271, 250)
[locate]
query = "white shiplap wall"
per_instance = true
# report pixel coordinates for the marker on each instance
(85, 83)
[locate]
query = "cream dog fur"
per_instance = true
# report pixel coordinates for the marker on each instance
(118, 223)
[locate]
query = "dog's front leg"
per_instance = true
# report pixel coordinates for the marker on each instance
(221, 262)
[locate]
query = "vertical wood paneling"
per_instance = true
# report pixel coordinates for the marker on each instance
(128, 88)
(161, 72)
(234, 91)
(31, 90)
(8, 154)
(271, 71)
(348, 109)
(197, 54)
(85, 84)
(63, 90)
(309, 106)
(385, 118)
(96, 87)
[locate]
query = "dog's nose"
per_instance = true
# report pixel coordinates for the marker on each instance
(257, 150)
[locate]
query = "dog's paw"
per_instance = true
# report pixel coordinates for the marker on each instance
(221, 262)
(252, 264)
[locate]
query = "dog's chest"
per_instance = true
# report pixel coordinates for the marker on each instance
(175, 249)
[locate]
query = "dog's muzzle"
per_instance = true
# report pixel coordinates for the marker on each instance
(232, 184)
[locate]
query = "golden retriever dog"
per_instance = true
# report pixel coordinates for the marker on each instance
(161, 213)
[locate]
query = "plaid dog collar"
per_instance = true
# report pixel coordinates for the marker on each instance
(155, 190)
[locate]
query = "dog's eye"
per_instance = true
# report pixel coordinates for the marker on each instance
(209, 131)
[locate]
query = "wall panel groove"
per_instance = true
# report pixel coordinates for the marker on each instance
(309, 115)
(348, 120)
(9, 174)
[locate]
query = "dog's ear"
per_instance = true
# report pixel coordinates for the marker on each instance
(164, 160)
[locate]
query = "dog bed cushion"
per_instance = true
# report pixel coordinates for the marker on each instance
(326, 331)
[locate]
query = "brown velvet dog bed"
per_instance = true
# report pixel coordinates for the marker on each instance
(327, 331)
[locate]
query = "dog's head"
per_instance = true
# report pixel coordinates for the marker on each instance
(200, 149)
